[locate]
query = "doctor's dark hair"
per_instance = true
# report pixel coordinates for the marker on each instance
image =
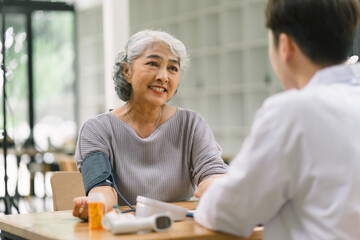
(323, 29)
(135, 47)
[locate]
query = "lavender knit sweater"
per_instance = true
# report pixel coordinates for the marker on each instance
(167, 165)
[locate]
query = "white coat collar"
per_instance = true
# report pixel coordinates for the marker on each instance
(343, 73)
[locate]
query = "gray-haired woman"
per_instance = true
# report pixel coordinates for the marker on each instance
(147, 147)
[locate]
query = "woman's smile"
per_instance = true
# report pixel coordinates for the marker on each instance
(158, 89)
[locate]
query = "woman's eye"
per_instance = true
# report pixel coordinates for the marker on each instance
(154, 64)
(173, 68)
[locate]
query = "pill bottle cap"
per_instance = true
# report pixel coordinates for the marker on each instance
(95, 197)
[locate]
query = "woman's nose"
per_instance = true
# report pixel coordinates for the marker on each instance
(162, 75)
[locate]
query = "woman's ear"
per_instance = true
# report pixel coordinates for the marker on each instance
(125, 68)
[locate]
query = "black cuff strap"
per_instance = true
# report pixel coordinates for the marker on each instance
(97, 171)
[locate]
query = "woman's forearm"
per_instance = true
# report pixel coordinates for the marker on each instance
(109, 194)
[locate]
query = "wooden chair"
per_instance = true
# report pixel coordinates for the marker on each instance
(65, 187)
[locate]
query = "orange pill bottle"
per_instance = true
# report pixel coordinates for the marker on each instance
(96, 210)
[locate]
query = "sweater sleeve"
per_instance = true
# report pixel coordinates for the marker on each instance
(206, 153)
(91, 139)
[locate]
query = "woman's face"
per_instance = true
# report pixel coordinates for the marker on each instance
(154, 76)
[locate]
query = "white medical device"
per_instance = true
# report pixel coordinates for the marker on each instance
(123, 223)
(146, 207)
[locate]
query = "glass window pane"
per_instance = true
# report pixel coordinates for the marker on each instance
(54, 78)
(16, 60)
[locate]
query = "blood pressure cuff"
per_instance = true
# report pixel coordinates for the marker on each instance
(96, 171)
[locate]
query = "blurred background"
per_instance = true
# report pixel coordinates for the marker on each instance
(57, 58)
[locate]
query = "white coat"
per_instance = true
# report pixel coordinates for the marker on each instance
(298, 172)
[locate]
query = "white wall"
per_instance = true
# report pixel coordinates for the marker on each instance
(102, 29)
(82, 5)
(116, 33)
(90, 66)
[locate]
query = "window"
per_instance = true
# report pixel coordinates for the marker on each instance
(38, 52)
(40, 75)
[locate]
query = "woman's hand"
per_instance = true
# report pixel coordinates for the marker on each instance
(204, 185)
(80, 208)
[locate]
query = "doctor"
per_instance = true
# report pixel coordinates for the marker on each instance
(298, 170)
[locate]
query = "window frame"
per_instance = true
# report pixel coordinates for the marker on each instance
(27, 7)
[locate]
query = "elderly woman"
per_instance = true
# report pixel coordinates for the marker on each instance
(146, 147)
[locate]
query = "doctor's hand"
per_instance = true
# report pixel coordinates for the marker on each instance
(80, 207)
(204, 185)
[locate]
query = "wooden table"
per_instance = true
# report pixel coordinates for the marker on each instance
(62, 225)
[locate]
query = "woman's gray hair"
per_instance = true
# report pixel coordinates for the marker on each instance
(135, 47)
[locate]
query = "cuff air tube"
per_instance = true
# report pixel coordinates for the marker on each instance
(97, 171)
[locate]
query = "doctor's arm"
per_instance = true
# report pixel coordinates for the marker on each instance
(258, 182)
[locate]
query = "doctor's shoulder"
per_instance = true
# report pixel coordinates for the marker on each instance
(292, 104)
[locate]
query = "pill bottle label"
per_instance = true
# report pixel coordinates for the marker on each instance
(96, 212)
